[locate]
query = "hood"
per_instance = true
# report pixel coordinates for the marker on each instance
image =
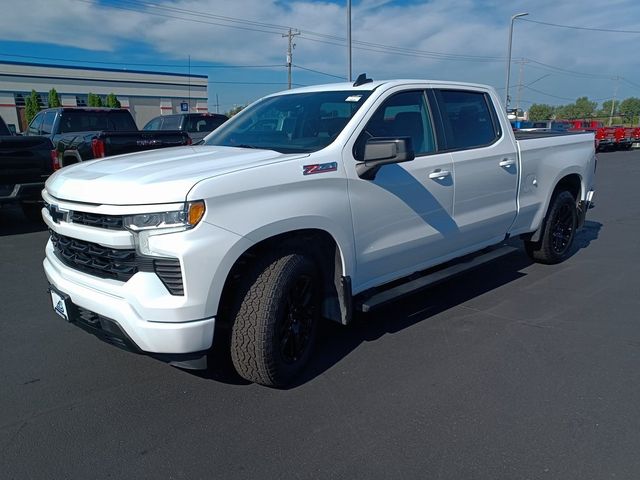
(157, 176)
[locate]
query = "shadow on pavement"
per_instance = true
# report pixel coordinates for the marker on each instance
(336, 342)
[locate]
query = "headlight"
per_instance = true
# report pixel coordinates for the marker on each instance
(186, 217)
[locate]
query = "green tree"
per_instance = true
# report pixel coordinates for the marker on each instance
(235, 110)
(31, 106)
(94, 100)
(54, 99)
(112, 101)
(540, 111)
(584, 108)
(630, 108)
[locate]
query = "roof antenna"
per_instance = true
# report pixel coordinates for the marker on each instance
(361, 80)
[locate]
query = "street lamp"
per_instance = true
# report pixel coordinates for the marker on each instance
(506, 93)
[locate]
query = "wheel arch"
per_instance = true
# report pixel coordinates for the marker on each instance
(571, 182)
(321, 245)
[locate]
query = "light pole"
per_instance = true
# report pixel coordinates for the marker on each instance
(349, 40)
(506, 93)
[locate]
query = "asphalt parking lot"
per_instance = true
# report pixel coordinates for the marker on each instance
(514, 371)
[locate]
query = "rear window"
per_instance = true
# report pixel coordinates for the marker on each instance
(468, 119)
(87, 121)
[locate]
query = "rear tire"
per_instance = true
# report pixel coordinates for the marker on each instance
(275, 319)
(558, 232)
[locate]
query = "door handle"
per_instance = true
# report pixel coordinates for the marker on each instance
(439, 174)
(507, 162)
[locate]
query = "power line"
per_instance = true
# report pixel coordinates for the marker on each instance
(278, 29)
(319, 72)
(571, 72)
(573, 27)
(256, 83)
(560, 98)
(98, 62)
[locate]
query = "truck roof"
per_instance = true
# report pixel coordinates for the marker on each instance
(342, 86)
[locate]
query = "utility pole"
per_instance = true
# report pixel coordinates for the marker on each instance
(292, 45)
(217, 104)
(189, 83)
(521, 62)
(613, 103)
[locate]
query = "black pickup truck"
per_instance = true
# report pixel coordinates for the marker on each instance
(25, 164)
(80, 133)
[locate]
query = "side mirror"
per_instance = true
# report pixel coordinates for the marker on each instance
(384, 151)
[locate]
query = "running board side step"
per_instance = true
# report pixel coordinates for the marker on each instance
(377, 299)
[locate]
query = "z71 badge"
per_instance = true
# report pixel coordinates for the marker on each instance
(319, 168)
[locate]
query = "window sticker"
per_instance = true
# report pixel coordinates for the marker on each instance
(353, 98)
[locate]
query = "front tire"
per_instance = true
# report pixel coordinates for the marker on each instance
(558, 232)
(275, 319)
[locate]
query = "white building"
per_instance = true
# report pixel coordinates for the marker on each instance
(145, 94)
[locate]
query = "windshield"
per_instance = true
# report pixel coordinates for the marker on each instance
(295, 123)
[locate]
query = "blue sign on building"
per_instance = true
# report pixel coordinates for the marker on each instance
(184, 107)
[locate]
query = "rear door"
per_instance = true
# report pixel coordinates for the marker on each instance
(401, 218)
(485, 165)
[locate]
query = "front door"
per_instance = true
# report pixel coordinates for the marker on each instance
(402, 219)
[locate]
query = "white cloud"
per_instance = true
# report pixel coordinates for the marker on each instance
(464, 27)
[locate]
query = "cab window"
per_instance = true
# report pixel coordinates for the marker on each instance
(468, 118)
(402, 115)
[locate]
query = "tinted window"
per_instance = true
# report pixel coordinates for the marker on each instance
(34, 126)
(171, 122)
(89, 121)
(468, 119)
(204, 123)
(47, 123)
(402, 115)
(291, 123)
(154, 124)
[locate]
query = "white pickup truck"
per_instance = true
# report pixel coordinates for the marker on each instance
(309, 204)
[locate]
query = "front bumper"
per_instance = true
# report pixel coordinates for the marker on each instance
(140, 312)
(109, 310)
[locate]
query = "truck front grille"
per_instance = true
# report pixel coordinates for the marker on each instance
(109, 222)
(116, 263)
(104, 262)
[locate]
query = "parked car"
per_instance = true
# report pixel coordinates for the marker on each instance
(351, 200)
(80, 133)
(197, 125)
(635, 137)
(25, 164)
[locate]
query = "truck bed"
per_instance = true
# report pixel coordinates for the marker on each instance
(542, 134)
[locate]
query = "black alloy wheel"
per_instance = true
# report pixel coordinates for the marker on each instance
(563, 229)
(297, 326)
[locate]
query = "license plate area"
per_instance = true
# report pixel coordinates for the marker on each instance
(61, 303)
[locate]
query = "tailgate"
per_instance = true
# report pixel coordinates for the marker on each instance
(117, 143)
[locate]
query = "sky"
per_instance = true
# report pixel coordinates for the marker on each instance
(562, 50)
